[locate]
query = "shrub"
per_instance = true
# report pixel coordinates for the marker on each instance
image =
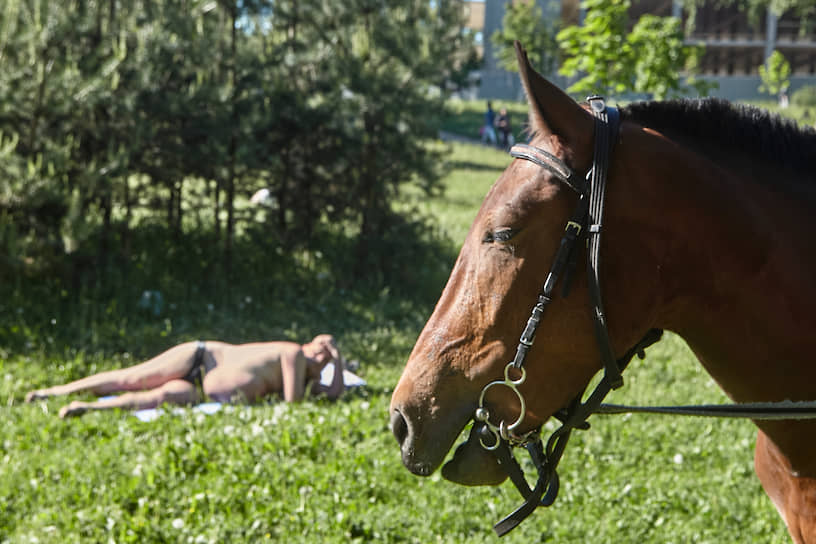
(804, 96)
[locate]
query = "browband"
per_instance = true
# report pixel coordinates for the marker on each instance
(552, 163)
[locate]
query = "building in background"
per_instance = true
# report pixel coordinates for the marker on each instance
(484, 17)
(735, 45)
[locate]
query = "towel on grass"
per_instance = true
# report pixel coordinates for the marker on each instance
(207, 408)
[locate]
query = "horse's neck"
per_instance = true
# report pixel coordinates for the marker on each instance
(736, 271)
(730, 265)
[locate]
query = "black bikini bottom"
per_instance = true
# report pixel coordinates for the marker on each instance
(196, 374)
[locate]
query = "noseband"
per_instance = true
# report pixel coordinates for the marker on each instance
(586, 220)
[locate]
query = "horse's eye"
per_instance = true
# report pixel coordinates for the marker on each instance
(503, 235)
(499, 235)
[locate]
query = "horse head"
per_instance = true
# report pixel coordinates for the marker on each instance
(474, 329)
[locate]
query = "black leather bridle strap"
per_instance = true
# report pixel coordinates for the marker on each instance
(749, 410)
(550, 162)
(606, 134)
(531, 502)
(566, 249)
(505, 458)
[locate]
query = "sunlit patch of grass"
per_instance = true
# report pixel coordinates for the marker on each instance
(465, 117)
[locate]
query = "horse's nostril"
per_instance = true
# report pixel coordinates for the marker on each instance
(399, 426)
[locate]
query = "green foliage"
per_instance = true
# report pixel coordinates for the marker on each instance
(608, 60)
(775, 75)
(523, 21)
(804, 96)
(598, 51)
(658, 68)
(804, 9)
(117, 115)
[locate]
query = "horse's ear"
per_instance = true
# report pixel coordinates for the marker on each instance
(552, 112)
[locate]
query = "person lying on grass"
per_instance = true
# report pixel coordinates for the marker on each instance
(223, 372)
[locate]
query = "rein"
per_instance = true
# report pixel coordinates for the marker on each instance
(586, 220)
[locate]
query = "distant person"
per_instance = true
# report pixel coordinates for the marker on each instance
(223, 372)
(488, 132)
(503, 124)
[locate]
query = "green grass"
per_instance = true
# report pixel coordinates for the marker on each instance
(321, 472)
(803, 115)
(465, 117)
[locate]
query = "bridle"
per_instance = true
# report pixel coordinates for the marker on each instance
(586, 221)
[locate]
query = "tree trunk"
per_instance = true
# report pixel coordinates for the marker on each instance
(233, 144)
(216, 197)
(126, 241)
(171, 205)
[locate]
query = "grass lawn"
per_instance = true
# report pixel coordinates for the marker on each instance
(321, 472)
(465, 117)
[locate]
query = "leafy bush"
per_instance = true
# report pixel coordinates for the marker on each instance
(804, 96)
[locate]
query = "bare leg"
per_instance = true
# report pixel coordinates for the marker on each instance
(173, 363)
(172, 392)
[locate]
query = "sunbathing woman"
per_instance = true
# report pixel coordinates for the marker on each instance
(223, 372)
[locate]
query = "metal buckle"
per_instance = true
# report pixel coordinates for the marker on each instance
(577, 226)
(504, 430)
(596, 102)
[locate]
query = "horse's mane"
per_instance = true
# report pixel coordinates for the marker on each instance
(720, 129)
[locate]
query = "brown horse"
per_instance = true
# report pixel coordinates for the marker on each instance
(706, 233)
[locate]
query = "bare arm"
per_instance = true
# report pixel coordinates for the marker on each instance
(336, 388)
(293, 373)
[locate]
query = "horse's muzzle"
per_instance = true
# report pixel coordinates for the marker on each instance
(404, 435)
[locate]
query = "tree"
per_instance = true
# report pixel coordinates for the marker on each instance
(661, 56)
(598, 52)
(62, 69)
(115, 115)
(523, 21)
(354, 93)
(775, 75)
(606, 59)
(804, 9)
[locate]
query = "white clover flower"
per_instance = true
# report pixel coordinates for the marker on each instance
(626, 489)
(678, 459)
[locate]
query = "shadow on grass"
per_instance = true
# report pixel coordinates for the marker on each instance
(475, 166)
(169, 289)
